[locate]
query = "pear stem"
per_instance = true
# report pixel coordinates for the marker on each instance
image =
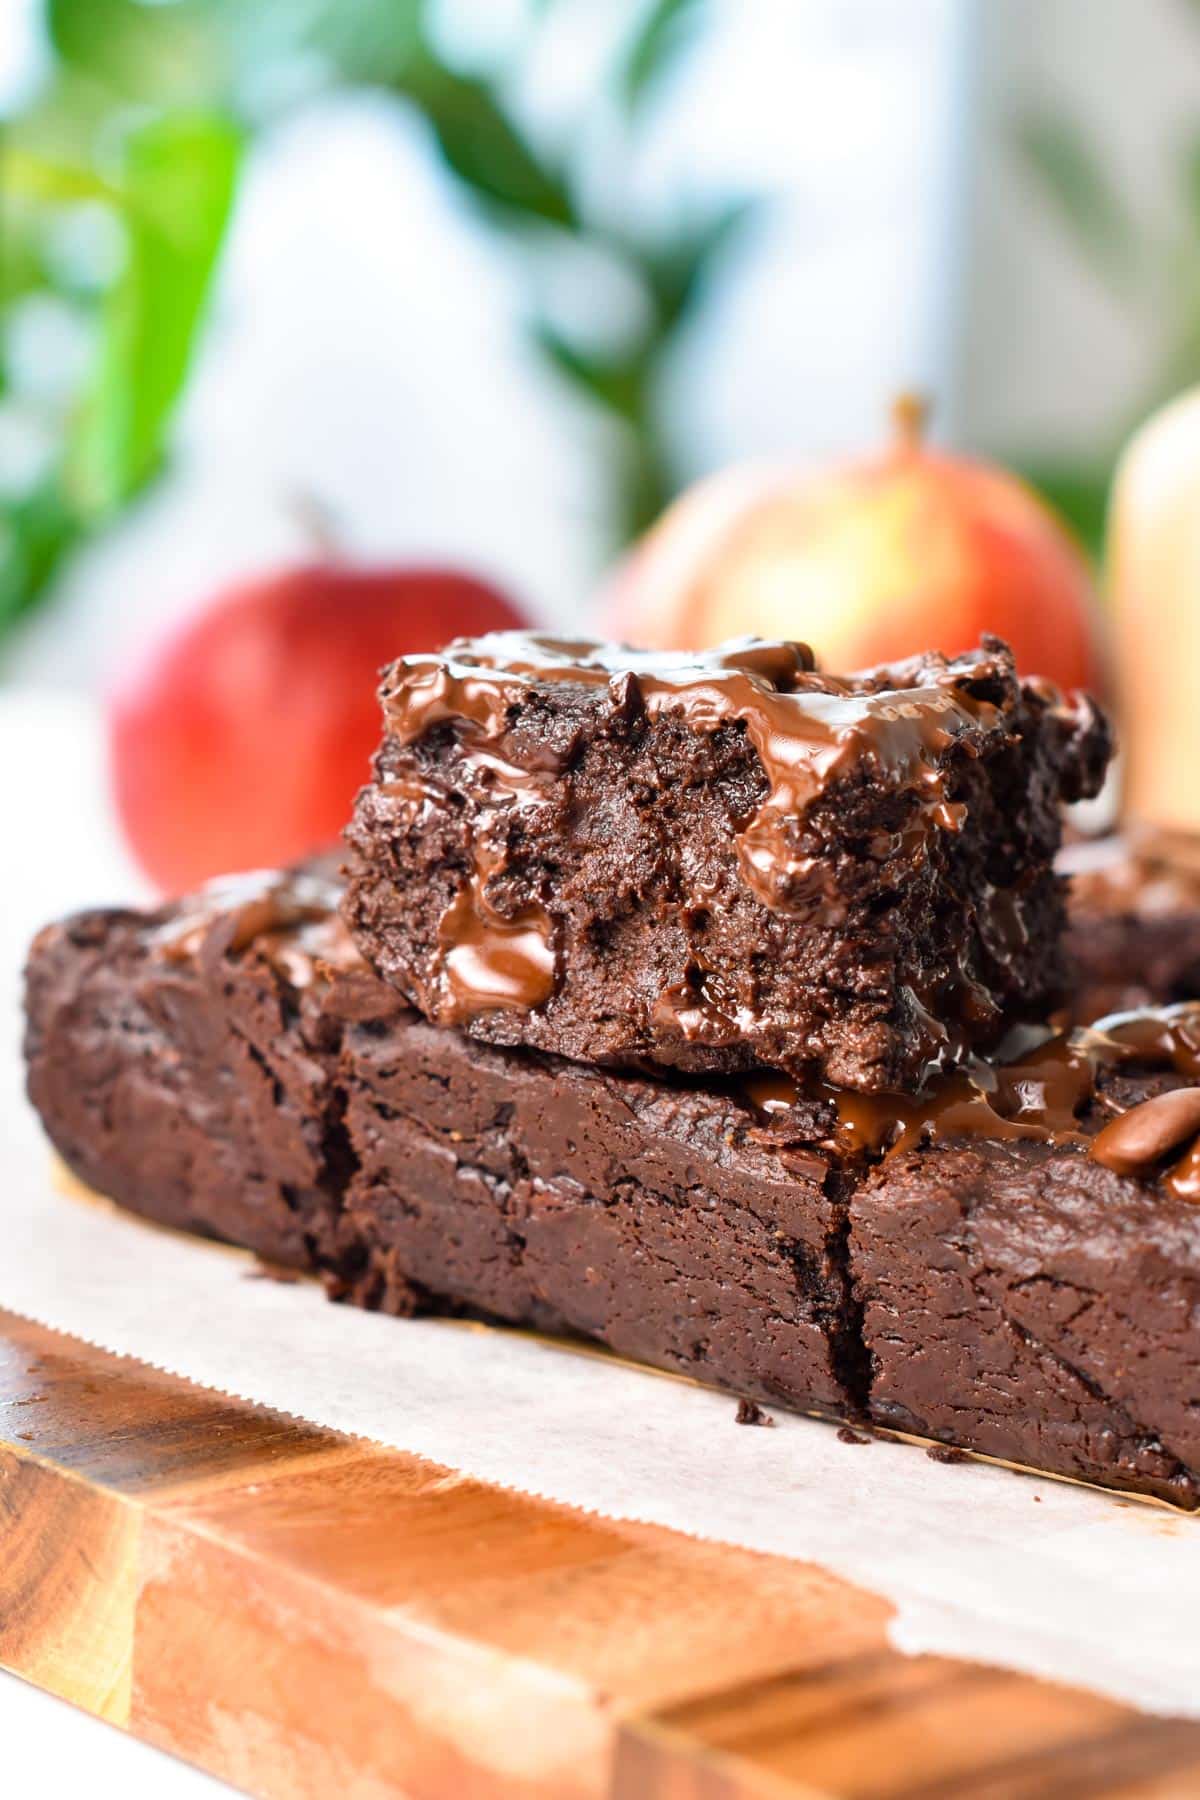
(910, 416)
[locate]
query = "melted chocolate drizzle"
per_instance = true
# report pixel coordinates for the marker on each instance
(1040, 1094)
(806, 728)
(291, 919)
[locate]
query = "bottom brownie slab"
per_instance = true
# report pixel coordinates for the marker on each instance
(180, 1061)
(985, 1265)
(675, 1224)
(1030, 1286)
(1033, 1308)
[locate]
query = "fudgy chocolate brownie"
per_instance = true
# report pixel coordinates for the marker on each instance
(181, 1060)
(720, 861)
(1133, 922)
(1026, 1259)
(1009, 1262)
(677, 1224)
(228, 1065)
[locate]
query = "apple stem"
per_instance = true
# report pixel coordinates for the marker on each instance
(910, 416)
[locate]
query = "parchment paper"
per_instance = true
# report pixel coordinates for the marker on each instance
(1033, 1574)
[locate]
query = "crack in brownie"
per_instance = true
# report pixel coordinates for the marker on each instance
(1029, 1286)
(1008, 1262)
(721, 861)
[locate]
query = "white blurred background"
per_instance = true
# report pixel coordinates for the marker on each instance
(368, 353)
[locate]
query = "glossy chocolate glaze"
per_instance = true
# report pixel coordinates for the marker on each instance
(1041, 1093)
(807, 729)
(288, 918)
(1143, 1136)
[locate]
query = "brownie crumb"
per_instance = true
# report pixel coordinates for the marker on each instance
(846, 1436)
(946, 1453)
(270, 1271)
(749, 1412)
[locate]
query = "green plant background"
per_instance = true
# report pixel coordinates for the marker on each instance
(120, 176)
(134, 147)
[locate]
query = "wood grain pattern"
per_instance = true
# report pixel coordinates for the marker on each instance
(305, 1615)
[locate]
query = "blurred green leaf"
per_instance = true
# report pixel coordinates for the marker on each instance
(134, 121)
(1077, 491)
(177, 183)
(624, 385)
(22, 269)
(1075, 183)
(163, 55)
(1178, 363)
(647, 485)
(483, 147)
(615, 382)
(376, 41)
(30, 176)
(35, 533)
(677, 271)
(666, 27)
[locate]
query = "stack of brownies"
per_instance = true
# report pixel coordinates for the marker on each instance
(699, 1007)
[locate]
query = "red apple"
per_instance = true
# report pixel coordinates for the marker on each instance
(240, 740)
(868, 561)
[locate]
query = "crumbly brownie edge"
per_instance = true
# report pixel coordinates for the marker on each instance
(199, 1097)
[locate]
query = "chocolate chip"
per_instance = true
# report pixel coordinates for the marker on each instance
(1143, 1135)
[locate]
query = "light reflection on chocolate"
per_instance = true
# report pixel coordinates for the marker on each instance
(700, 1010)
(290, 919)
(490, 961)
(1039, 1094)
(771, 1092)
(1145, 1134)
(1182, 1180)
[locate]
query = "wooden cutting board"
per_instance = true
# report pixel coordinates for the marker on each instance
(306, 1614)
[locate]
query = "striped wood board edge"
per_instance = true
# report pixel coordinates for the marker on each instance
(306, 1614)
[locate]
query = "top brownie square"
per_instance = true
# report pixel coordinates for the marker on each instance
(723, 860)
